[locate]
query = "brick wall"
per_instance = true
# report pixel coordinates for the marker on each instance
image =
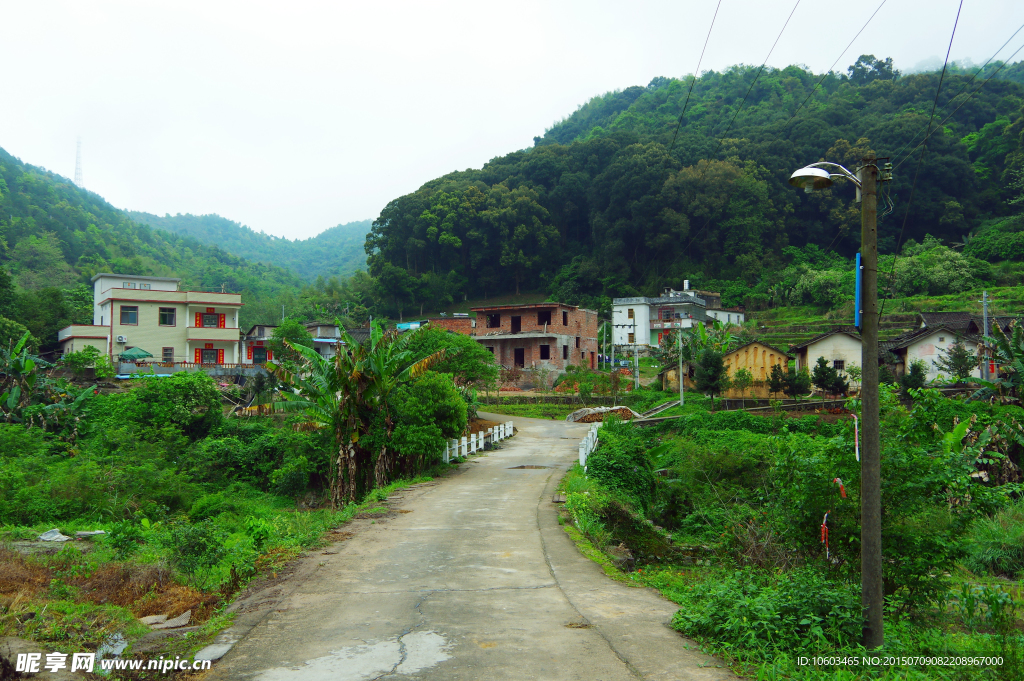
(564, 320)
(572, 336)
(463, 325)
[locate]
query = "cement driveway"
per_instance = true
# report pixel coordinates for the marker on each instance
(475, 581)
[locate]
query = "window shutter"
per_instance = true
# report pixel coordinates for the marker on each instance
(220, 355)
(199, 319)
(221, 322)
(199, 356)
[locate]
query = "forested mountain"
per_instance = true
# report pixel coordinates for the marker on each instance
(337, 251)
(605, 205)
(54, 236)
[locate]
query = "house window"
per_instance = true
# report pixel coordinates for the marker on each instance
(565, 318)
(494, 321)
(210, 321)
(167, 316)
(167, 354)
(565, 352)
(544, 317)
(839, 364)
(130, 315)
(490, 349)
(632, 338)
(144, 286)
(129, 284)
(942, 339)
(629, 313)
(577, 341)
(545, 352)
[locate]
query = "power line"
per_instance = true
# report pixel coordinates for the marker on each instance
(721, 139)
(917, 170)
(825, 75)
(951, 113)
(971, 80)
(694, 78)
(848, 46)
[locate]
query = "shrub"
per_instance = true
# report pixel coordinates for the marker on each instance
(996, 544)
(620, 463)
(195, 549)
(125, 537)
(797, 610)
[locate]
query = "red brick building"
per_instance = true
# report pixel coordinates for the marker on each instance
(464, 325)
(549, 335)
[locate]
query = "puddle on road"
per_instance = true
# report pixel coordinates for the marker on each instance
(423, 649)
(513, 468)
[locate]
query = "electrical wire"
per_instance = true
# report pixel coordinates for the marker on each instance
(825, 75)
(917, 170)
(694, 78)
(961, 105)
(721, 139)
(845, 50)
(968, 83)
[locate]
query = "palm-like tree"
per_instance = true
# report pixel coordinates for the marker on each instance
(347, 393)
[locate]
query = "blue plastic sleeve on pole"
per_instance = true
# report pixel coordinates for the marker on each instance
(858, 296)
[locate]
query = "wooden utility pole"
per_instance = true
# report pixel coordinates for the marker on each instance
(871, 460)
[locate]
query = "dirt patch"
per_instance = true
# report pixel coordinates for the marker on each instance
(18, 574)
(476, 425)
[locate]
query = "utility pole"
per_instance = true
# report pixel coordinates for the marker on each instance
(78, 164)
(984, 317)
(871, 468)
(679, 334)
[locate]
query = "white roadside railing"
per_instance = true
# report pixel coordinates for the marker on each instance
(589, 443)
(476, 442)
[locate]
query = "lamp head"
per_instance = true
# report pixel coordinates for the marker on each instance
(811, 179)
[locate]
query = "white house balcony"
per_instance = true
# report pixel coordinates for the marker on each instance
(211, 335)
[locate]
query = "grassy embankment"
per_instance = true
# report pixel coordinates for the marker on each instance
(722, 514)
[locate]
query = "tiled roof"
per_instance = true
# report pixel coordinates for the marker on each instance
(951, 320)
(909, 338)
(849, 331)
(770, 347)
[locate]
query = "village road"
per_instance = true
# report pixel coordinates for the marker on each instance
(476, 580)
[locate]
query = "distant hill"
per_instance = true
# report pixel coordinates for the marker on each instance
(55, 235)
(337, 251)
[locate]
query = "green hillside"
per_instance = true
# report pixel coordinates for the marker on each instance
(337, 251)
(54, 236)
(604, 205)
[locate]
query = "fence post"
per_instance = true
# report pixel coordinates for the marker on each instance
(463, 451)
(583, 454)
(455, 447)
(446, 456)
(511, 429)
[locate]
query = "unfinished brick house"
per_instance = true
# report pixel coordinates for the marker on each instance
(544, 335)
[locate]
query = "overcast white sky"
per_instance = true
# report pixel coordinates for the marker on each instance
(293, 117)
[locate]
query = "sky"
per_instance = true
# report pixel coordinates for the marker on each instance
(294, 117)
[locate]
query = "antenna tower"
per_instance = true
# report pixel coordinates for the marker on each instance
(78, 164)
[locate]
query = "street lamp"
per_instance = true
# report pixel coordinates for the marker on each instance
(810, 178)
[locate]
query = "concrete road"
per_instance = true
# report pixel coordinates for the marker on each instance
(475, 580)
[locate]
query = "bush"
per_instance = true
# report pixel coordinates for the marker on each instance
(125, 537)
(996, 544)
(195, 549)
(620, 463)
(798, 610)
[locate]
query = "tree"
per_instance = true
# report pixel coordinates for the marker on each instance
(915, 378)
(88, 357)
(796, 383)
(711, 375)
(776, 380)
(6, 293)
(957, 361)
(741, 380)
(465, 359)
(854, 372)
(289, 334)
(828, 379)
(429, 412)
(352, 395)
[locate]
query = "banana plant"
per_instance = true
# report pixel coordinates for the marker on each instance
(19, 375)
(1008, 356)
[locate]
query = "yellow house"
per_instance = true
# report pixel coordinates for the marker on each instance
(150, 313)
(758, 358)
